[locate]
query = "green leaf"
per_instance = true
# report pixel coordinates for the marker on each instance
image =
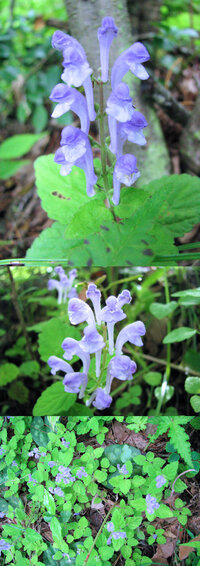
(192, 359)
(152, 378)
(163, 511)
(61, 196)
(40, 118)
(52, 334)
(54, 401)
(195, 402)
(168, 393)
(39, 431)
(49, 502)
(181, 201)
(89, 218)
(9, 168)
(106, 552)
(8, 373)
(192, 385)
(179, 334)
(160, 310)
(18, 392)
(18, 145)
(29, 369)
(56, 531)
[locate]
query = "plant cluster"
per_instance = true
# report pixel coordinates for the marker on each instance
(116, 226)
(50, 478)
(165, 301)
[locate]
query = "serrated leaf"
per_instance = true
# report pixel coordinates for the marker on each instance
(61, 196)
(179, 334)
(88, 219)
(54, 401)
(18, 145)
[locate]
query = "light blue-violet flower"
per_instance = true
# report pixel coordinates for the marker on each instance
(64, 286)
(124, 121)
(106, 33)
(126, 172)
(160, 481)
(4, 545)
(152, 504)
(98, 339)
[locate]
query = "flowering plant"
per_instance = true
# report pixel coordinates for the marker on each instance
(114, 363)
(115, 225)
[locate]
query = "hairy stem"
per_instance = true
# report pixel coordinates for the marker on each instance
(99, 532)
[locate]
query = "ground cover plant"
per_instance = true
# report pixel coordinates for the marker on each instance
(103, 490)
(116, 226)
(71, 341)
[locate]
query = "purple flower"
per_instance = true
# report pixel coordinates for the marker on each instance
(76, 67)
(119, 107)
(120, 367)
(152, 504)
(66, 444)
(61, 41)
(131, 131)
(110, 527)
(93, 343)
(75, 383)
(111, 314)
(95, 296)
(130, 60)
(35, 452)
(59, 491)
(122, 469)
(124, 298)
(51, 464)
(76, 150)
(56, 364)
(106, 33)
(160, 481)
(64, 285)
(79, 312)
(2, 450)
(14, 463)
(77, 72)
(4, 545)
(2, 515)
(31, 479)
(74, 348)
(131, 333)
(102, 400)
(81, 473)
(154, 536)
(70, 99)
(126, 172)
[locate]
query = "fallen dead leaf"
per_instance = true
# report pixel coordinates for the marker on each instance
(184, 551)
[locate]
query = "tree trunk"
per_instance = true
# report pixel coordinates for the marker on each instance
(85, 17)
(189, 142)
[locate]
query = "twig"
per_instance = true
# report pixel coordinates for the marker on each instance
(182, 473)
(168, 102)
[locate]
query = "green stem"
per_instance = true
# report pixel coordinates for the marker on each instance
(168, 356)
(99, 532)
(103, 147)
